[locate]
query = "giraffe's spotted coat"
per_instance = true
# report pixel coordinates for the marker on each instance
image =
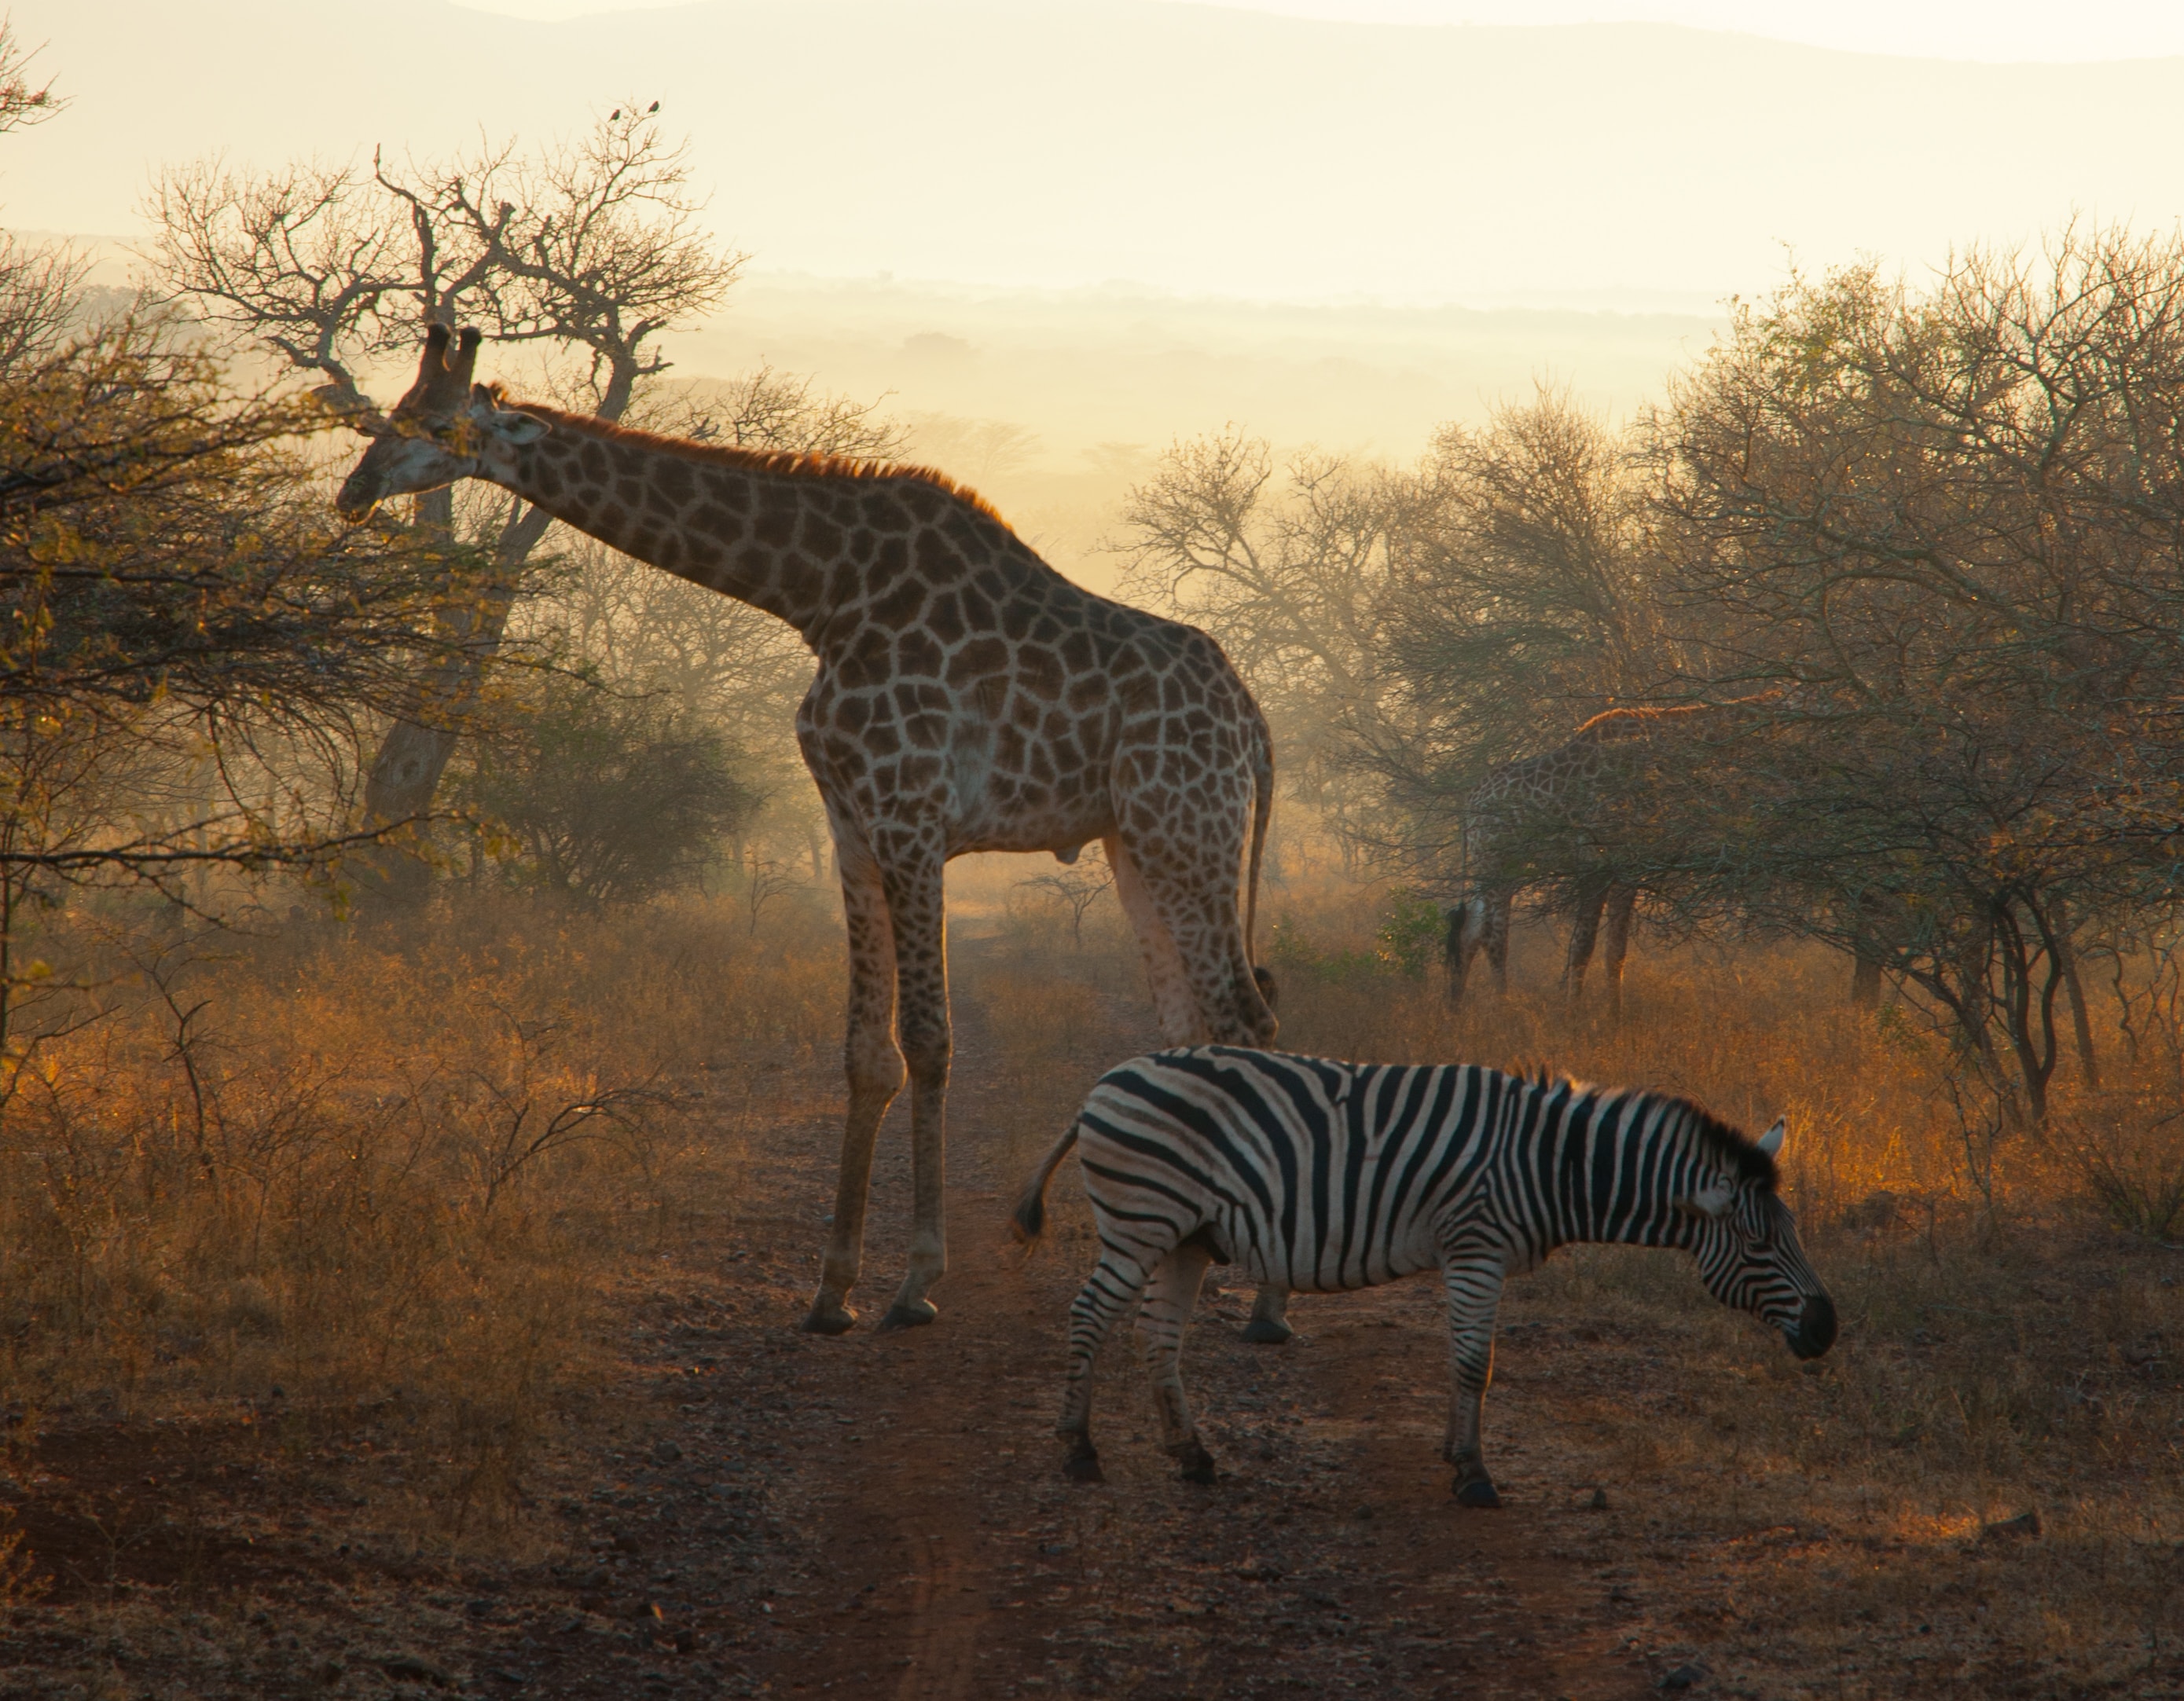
(968, 698)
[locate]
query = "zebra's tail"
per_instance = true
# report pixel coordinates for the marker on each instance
(1028, 1220)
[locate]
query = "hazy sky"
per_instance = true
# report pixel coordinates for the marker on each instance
(1070, 144)
(2054, 31)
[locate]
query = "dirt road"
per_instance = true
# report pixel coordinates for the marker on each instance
(744, 1510)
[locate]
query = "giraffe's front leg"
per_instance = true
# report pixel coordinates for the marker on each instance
(914, 879)
(1472, 1285)
(1585, 930)
(1621, 902)
(874, 1067)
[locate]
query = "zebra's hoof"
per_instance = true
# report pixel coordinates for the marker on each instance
(1267, 1331)
(829, 1319)
(914, 1315)
(1201, 1474)
(1084, 1467)
(1475, 1491)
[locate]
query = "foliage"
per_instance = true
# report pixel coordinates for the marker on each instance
(191, 657)
(1410, 931)
(1941, 528)
(608, 799)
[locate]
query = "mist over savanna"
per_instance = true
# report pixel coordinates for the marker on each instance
(640, 640)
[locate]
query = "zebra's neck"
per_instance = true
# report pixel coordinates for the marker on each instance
(1609, 1166)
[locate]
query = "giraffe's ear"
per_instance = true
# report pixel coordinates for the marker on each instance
(1770, 1143)
(512, 425)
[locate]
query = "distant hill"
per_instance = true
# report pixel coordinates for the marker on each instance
(1183, 147)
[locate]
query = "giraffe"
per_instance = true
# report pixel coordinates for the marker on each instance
(1554, 796)
(967, 697)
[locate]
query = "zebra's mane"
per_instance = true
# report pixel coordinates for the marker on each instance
(1727, 1143)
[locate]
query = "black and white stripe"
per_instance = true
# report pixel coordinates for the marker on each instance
(1317, 1175)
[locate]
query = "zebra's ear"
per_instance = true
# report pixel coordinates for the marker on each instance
(1770, 1143)
(1713, 1200)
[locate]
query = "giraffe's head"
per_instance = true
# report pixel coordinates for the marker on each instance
(1746, 1244)
(446, 428)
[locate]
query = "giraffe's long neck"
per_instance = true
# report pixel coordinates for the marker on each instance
(776, 539)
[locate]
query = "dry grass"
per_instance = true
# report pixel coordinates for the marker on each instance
(362, 1202)
(2009, 1346)
(375, 1182)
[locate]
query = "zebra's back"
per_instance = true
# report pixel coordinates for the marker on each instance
(1315, 1174)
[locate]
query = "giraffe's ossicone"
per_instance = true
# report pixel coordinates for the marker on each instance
(968, 698)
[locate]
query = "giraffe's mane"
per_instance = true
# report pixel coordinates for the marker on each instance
(1622, 723)
(785, 463)
(1716, 1136)
(1618, 723)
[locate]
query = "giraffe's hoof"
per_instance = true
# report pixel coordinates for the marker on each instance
(913, 1315)
(1475, 1491)
(829, 1319)
(1267, 1331)
(1196, 1462)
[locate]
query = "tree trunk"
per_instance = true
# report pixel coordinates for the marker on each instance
(2082, 1022)
(1864, 981)
(412, 759)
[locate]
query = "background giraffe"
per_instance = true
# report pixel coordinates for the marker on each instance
(968, 698)
(1551, 800)
(1554, 800)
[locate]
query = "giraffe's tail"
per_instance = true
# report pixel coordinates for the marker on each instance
(1263, 809)
(1028, 1222)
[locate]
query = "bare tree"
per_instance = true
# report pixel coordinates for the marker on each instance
(590, 249)
(24, 99)
(1290, 574)
(1078, 889)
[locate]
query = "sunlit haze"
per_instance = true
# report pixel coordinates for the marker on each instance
(1064, 194)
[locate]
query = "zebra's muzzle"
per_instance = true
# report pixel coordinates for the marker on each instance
(1816, 1328)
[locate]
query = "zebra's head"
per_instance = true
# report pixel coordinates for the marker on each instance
(1746, 1242)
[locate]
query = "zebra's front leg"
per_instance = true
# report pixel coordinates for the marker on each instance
(1169, 1297)
(1269, 1325)
(1113, 1288)
(1474, 1289)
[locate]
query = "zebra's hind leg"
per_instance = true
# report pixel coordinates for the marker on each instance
(1113, 1289)
(1169, 1297)
(1269, 1325)
(1472, 1285)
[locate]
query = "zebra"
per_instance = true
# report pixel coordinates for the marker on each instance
(1323, 1176)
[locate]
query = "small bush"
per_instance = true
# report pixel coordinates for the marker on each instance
(608, 799)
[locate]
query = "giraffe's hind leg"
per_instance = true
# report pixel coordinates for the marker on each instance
(1269, 1325)
(1182, 1023)
(1169, 1296)
(1622, 902)
(1173, 1007)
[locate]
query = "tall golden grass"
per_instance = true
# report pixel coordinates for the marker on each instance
(345, 1171)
